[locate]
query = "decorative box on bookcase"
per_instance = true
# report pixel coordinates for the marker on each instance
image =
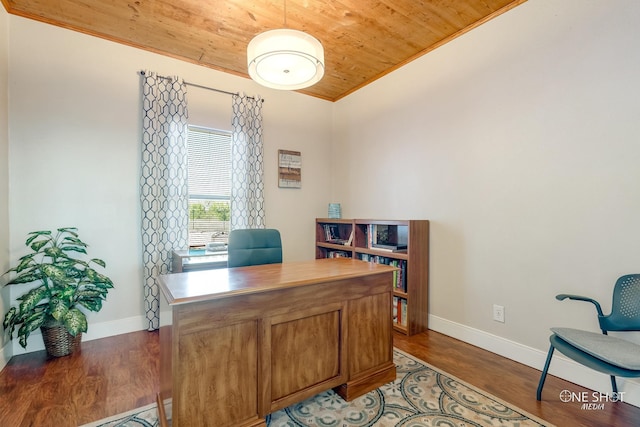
(404, 244)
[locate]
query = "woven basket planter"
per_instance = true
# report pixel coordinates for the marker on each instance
(58, 341)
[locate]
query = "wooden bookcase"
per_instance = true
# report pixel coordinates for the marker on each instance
(404, 244)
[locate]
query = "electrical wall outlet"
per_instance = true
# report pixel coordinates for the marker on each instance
(498, 313)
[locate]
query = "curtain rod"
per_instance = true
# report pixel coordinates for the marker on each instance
(202, 87)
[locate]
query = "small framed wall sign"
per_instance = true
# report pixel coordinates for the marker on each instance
(289, 169)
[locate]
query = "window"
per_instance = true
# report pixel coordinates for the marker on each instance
(209, 156)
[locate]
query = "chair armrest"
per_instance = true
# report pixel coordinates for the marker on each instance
(561, 297)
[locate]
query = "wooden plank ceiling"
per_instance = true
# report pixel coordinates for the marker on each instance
(363, 39)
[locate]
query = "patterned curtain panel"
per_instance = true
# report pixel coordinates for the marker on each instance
(163, 182)
(247, 166)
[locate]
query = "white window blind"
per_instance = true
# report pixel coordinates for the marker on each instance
(209, 156)
(209, 164)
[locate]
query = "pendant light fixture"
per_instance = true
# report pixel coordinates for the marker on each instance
(285, 59)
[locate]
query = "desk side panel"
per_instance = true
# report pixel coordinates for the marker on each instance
(370, 343)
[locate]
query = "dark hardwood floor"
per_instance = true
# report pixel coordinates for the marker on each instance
(106, 377)
(116, 374)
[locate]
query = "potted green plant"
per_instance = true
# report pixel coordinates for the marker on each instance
(66, 284)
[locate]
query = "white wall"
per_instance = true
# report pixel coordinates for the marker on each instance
(75, 142)
(4, 177)
(519, 141)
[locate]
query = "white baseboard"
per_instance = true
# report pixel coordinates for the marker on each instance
(5, 355)
(560, 366)
(96, 331)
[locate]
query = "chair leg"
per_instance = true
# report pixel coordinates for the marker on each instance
(613, 384)
(544, 373)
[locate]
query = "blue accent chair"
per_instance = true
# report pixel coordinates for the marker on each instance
(607, 354)
(254, 247)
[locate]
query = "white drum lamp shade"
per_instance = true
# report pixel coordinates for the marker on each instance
(285, 59)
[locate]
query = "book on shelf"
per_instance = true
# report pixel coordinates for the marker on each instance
(389, 248)
(400, 311)
(338, 254)
(332, 235)
(395, 309)
(331, 232)
(350, 240)
(399, 276)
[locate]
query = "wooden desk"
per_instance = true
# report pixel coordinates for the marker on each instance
(248, 341)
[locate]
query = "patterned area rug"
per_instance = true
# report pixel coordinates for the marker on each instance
(421, 396)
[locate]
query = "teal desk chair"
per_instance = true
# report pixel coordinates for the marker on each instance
(254, 247)
(610, 355)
